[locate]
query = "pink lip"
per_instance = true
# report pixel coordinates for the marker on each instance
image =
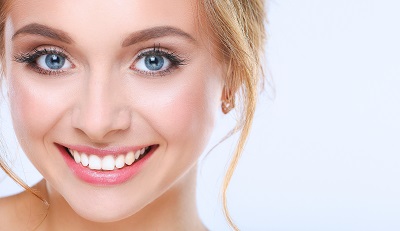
(104, 178)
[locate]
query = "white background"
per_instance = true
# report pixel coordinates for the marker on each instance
(324, 153)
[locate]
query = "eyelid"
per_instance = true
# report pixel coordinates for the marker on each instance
(175, 60)
(149, 51)
(30, 58)
(41, 50)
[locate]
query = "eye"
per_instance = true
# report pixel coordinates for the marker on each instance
(152, 63)
(53, 62)
(156, 62)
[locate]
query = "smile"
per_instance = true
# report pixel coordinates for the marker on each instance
(109, 162)
(105, 167)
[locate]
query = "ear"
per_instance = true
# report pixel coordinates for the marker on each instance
(228, 99)
(226, 93)
(231, 86)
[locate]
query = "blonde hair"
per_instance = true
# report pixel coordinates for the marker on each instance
(239, 28)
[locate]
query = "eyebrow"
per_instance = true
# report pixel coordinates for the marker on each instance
(155, 32)
(133, 38)
(45, 31)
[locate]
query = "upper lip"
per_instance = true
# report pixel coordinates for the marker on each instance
(111, 150)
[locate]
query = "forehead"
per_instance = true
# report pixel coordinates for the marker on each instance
(105, 19)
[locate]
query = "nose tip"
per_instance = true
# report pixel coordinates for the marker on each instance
(100, 124)
(101, 107)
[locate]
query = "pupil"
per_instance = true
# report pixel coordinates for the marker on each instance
(154, 63)
(55, 61)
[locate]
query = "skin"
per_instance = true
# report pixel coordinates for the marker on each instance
(101, 102)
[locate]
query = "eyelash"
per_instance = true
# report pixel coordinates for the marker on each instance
(31, 60)
(174, 58)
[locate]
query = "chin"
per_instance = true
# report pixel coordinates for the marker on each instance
(106, 214)
(102, 205)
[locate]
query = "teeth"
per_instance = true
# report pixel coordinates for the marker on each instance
(130, 158)
(109, 162)
(94, 162)
(84, 159)
(77, 157)
(137, 154)
(120, 161)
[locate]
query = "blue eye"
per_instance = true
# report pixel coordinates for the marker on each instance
(157, 62)
(53, 62)
(46, 61)
(152, 63)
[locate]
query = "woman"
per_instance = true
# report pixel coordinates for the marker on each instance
(114, 102)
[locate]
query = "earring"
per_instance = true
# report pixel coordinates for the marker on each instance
(228, 105)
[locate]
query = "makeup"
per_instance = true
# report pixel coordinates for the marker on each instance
(103, 167)
(90, 88)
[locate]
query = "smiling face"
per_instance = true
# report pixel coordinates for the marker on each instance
(105, 81)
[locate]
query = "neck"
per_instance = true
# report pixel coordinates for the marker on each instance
(174, 210)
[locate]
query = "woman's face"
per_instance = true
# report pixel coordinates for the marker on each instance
(103, 80)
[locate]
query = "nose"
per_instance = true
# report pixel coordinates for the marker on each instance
(100, 110)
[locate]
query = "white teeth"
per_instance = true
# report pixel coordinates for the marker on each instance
(120, 161)
(77, 157)
(130, 158)
(109, 162)
(137, 154)
(84, 159)
(94, 162)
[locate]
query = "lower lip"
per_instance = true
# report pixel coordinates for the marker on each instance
(105, 178)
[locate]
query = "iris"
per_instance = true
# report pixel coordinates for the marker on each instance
(54, 61)
(154, 62)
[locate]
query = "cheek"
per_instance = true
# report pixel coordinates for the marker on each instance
(188, 111)
(26, 106)
(34, 109)
(185, 113)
